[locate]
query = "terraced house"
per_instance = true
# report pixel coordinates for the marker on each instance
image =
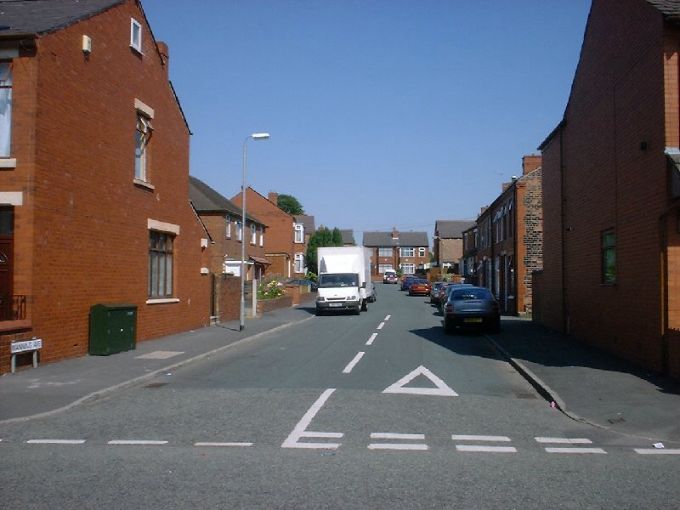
(611, 189)
(94, 176)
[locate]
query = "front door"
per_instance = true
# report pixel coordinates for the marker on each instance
(6, 262)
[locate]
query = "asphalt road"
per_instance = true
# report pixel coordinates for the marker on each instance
(381, 410)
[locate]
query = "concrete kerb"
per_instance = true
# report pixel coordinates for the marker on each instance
(105, 392)
(543, 389)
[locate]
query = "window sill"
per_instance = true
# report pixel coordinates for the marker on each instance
(143, 184)
(161, 301)
(8, 163)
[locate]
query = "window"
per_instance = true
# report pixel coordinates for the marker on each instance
(384, 267)
(421, 251)
(160, 264)
(239, 231)
(608, 256)
(385, 252)
(408, 252)
(408, 268)
(261, 236)
(142, 138)
(5, 109)
(228, 227)
(135, 35)
(299, 263)
(299, 233)
(253, 233)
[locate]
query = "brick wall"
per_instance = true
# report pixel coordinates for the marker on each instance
(82, 234)
(279, 246)
(612, 175)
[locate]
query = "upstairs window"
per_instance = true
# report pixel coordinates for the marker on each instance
(609, 256)
(421, 251)
(253, 233)
(228, 227)
(142, 137)
(5, 109)
(261, 236)
(239, 231)
(384, 252)
(135, 35)
(408, 252)
(299, 233)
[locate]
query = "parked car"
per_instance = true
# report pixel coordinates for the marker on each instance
(406, 282)
(419, 287)
(469, 306)
(446, 290)
(303, 282)
(434, 293)
(390, 277)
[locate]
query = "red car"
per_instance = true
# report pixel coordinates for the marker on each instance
(420, 287)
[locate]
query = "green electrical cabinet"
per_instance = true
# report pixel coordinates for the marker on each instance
(113, 328)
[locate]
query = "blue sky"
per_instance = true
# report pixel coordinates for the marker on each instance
(382, 113)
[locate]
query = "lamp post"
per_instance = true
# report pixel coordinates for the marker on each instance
(254, 136)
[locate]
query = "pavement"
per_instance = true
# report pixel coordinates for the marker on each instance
(588, 385)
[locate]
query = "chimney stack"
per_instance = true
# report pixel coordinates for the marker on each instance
(273, 198)
(165, 56)
(395, 233)
(531, 162)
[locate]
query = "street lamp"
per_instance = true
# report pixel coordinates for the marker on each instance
(254, 136)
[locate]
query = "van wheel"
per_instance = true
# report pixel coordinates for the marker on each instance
(364, 305)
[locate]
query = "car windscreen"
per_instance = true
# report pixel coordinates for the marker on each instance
(338, 280)
(470, 293)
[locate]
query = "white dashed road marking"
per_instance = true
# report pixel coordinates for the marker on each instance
(465, 437)
(563, 440)
(224, 445)
(381, 325)
(370, 340)
(55, 441)
(575, 450)
(398, 446)
(388, 317)
(136, 442)
(657, 451)
(487, 449)
(353, 363)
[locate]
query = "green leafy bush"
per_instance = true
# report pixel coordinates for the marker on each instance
(269, 289)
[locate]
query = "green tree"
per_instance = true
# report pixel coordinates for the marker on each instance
(322, 237)
(289, 204)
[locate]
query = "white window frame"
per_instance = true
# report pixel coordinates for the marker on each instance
(239, 231)
(421, 251)
(299, 263)
(228, 228)
(6, 111)
(135, 35)
(384, 267)
(253, 233)
(408, 268)
(261, 236)
(299, 233)
(407, 252)
(384, 251)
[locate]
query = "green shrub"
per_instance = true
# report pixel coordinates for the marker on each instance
(269, 289)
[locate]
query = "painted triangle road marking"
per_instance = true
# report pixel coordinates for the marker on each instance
(441, 389)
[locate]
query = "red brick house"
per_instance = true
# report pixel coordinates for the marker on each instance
(281, 245)
(611, 189)
(304, 228)
(407, 251)
(505, 246)
(222, 221)
(94, 174)
(448, 243)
